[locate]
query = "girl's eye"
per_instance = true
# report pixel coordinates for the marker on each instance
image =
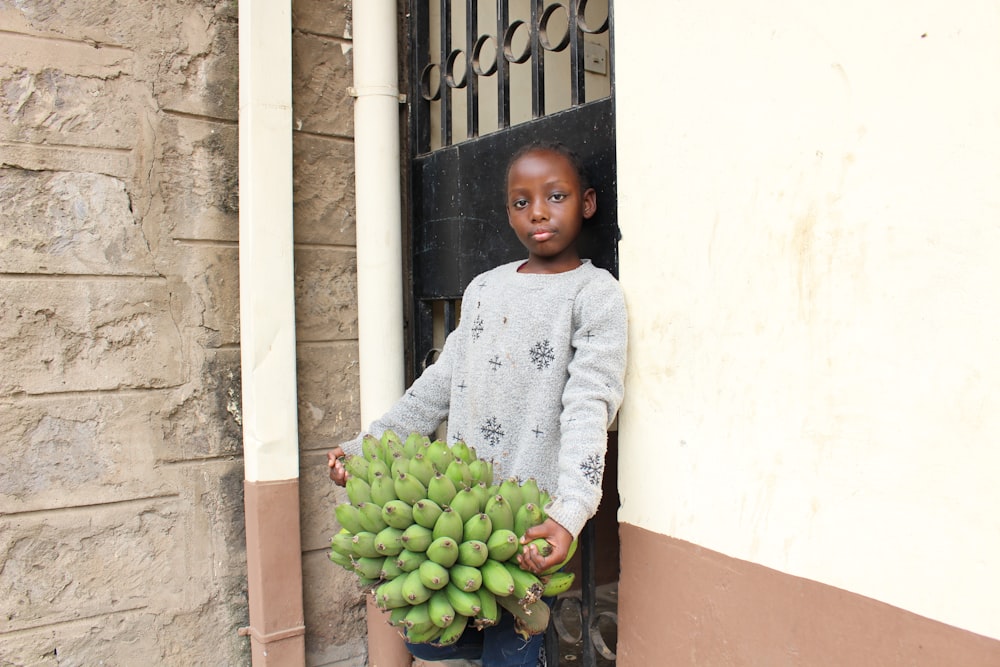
(519, 203)
(557, 196)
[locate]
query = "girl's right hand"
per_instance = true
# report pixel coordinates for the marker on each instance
(334, 460)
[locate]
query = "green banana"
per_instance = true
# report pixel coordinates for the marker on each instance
(500, 512)
(409, 489)
(489, 612)
(390, 568)
(418, 617)
(371, 517)
(441, 489)
(543, 546)
(417, 538)
(423, 635)
(441, 611)
(389, 436)
(557, 583)
(364, 544)
(440, 455)
(463, 452)
(472, 553)
(349, 517)
(356, 466)
(529, 620)
(398, 514)
(400, 463)
(358, 490)
(478, 527)
(465, 503)
(527, 586)
(502, 544)
(372, 448)
(389, 595)
(382, 489)
(443, 551)
(398, 615)
(467, 578)
(389, 541)
(496, 578)
(433, 575)
(343, 544)
(510, 489)
(421, 468)
(408, 561)
(482, 471)
(449, 524)
(482, 494)
(413, 589)
(369, 568)
(459, 473)
(453, 632)
(529, 491)
(465, 603)
(426, 512)
(412, 444)
(528, 516)
(340, 559)
(378, 467)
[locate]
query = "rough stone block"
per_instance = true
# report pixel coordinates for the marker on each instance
(199, 179)
(206, 277)
(201, 78)
(83, 58)
(70, 450)
(203, 420)
(326, 298)
(56, 107)
(62, 158)
(328, 382)
(324, 190)
(78, 335)
(334, 604)
(64, 223)
(322, 17)
(321, 75)
(60, 566)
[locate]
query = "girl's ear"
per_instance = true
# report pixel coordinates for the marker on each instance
(589, 203)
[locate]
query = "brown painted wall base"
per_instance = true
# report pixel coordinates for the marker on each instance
(680, 604)
(274, 573)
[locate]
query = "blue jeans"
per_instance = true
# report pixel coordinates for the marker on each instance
(496, 646)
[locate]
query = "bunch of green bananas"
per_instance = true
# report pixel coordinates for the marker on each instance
(436, 540)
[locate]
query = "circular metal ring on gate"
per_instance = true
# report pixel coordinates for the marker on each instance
(429, 358)
(581, 19)
(557, 619)
(477, 53)
(449, 70)
(508, 39)
(597, 639)
(543, 28)
(425, 83)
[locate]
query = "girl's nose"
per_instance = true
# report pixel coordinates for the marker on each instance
(539, 211)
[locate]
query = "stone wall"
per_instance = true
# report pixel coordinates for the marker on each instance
(121, 507)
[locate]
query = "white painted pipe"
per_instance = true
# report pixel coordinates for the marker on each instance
(379, 246)
(379, 235)
(267, 298)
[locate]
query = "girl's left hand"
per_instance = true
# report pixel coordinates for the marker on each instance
(531, 560)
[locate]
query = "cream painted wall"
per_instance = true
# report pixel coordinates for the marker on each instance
(810, 206)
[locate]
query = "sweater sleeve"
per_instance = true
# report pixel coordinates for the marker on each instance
(591, 399)
(424, 406)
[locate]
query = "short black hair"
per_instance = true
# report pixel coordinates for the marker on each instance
(556, 147)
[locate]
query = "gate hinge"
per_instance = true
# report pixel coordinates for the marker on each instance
(353, 92)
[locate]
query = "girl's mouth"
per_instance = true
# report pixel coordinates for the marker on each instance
(541, 235)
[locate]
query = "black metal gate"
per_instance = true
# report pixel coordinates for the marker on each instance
(482, 75)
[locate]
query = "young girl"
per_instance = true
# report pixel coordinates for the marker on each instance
(532, 377)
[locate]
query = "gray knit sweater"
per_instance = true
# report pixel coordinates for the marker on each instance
(532, 378)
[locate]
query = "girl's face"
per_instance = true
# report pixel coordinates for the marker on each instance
(546, 208)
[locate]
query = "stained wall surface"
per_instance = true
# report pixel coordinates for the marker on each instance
(121, 506)
(809, 214)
